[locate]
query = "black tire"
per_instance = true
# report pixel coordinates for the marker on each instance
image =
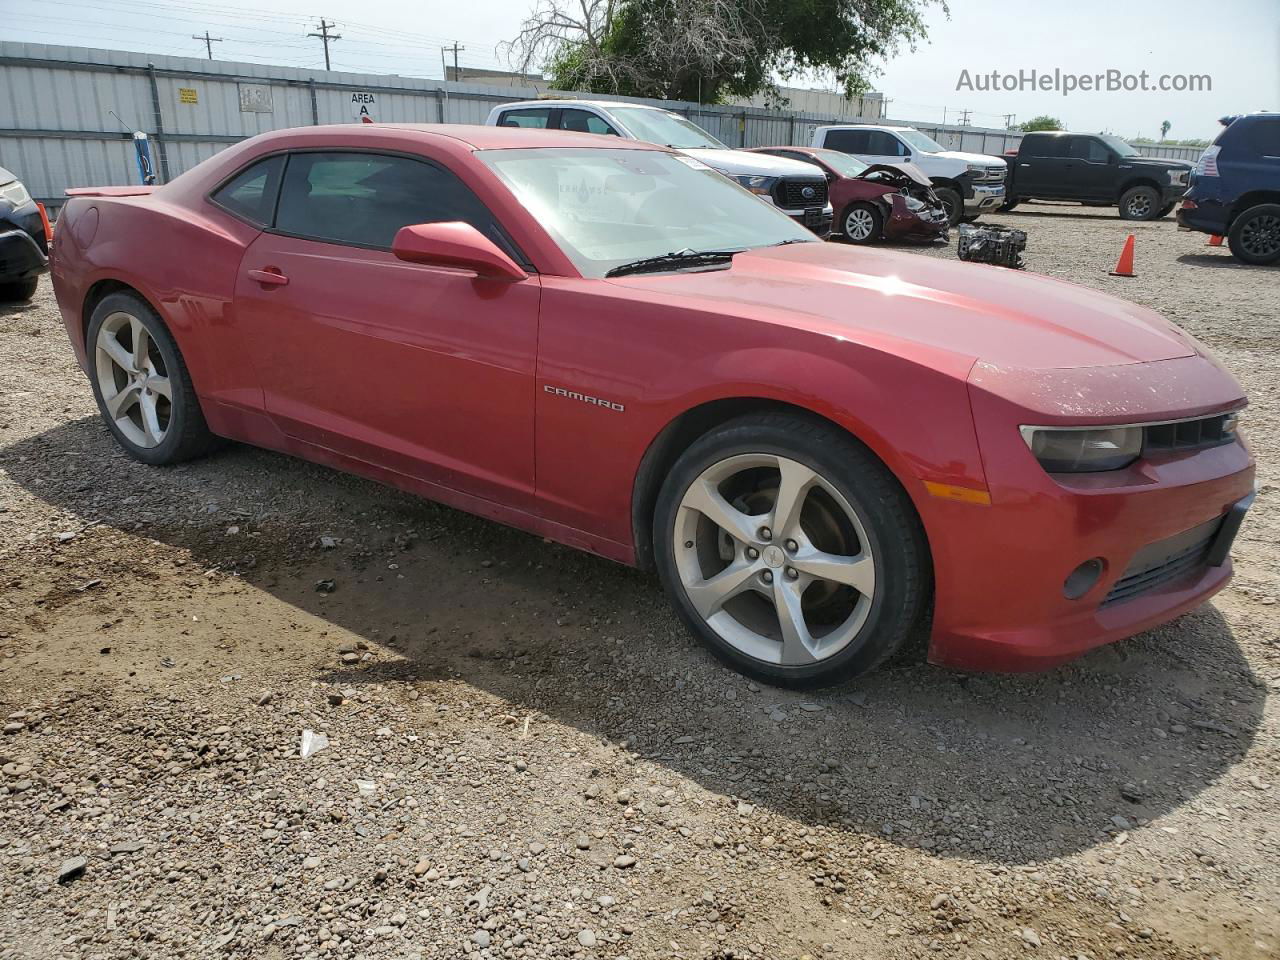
(1254, 237)
(1009, 204)
(1166, 210)
(186, 435)
(19, 291)
(1140, 203)
(873, 217)
(894, 538)
(952, 202)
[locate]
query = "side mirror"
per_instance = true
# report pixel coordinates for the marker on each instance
(455, 244)
(906, 156)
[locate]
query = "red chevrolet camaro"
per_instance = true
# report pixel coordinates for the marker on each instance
(821, 449)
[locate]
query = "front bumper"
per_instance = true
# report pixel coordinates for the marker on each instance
(20, 256)
(1001, 569)
(986, 197)
(817, 219)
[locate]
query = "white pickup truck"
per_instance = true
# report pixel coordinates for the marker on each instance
(968, 184)
(798, 189)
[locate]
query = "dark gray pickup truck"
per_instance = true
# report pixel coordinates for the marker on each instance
(1096, 170)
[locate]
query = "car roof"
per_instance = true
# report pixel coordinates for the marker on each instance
(473, 136)
(864, 126)
(576, 102)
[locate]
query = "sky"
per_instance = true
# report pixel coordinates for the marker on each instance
(1236, 43)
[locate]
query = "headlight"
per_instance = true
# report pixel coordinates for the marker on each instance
(15, 193)
(978, 171)
(760, 186)
(1087, 450)
(1178, 177)
(912, 203)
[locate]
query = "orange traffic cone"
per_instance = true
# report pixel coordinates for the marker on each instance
(1124, 266)
(1215, 240)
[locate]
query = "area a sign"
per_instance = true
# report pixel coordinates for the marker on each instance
(364, 107)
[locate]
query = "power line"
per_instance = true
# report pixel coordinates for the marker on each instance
(208, 42)
(325, 36)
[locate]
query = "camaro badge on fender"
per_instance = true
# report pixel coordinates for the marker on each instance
(574, 395)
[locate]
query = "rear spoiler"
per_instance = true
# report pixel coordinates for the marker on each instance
(109, 191)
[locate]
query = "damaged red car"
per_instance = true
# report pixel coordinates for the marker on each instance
(874, 202)
(823, 450)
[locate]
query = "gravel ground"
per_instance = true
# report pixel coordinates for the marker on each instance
(527, 757)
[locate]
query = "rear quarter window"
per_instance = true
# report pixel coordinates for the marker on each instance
(251, 193)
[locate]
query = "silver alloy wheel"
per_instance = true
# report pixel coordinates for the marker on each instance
(789, 579)
(136, 390)
(1139, 206)
(859, 224)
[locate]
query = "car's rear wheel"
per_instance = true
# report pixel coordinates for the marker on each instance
(951, 202)
(790, 550)
(141, 383)
(1139, 203)
(18, 291)
(863, 223)
(1254, 236)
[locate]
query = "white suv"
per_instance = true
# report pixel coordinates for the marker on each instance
(968, 184)
(798, 189)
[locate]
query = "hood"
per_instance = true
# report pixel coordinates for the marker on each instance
(744, 163)
(891, 300)
(1160, 163)
(985, 159)
(909, 170)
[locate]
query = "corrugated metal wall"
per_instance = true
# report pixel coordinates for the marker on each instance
(66, 113)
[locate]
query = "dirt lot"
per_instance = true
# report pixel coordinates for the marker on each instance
(529, 758)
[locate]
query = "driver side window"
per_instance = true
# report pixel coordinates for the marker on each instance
(363, 199)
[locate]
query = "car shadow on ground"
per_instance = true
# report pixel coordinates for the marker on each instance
(1221, 259)
(1006, 769)
(18, 309)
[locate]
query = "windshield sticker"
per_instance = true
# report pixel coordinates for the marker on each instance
(690, 162)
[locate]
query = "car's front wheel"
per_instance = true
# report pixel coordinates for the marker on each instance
(790, 550)
(863, 223)
(1139, 203)
(1254, 236)
(141, 383)
(952, 202)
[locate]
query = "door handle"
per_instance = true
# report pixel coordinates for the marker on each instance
(272, 278)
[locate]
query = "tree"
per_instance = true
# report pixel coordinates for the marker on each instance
(1164, 129)
(707, 50)
(1042, 122)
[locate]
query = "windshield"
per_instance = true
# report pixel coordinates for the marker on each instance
(608, 207)
(845, 164)
(666, 129)
(1119, 146)
(920, 141)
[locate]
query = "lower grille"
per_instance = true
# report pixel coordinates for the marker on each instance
(1164, 562)
(791, 192)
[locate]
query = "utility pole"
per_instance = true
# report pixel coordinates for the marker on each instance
(1008, 120)
(455, 49)
(208, 42)
(964, 117)
(325, 36)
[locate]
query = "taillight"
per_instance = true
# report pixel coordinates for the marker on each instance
(48, 227)
(1188, 204)
(1207, 165)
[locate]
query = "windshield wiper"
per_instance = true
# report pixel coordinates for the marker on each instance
(677, 258)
